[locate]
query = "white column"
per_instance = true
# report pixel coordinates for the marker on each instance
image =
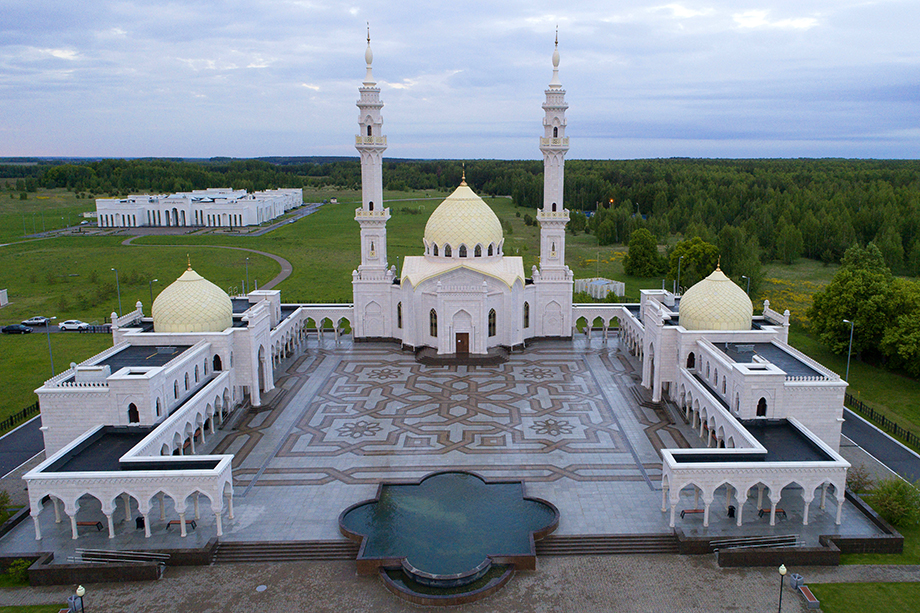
(57, 509)
(126, 498)
(807, 500)
(73, 525)
(182, 524)
(162, 497)
(108, 518)
(35, 521)
(197, 514)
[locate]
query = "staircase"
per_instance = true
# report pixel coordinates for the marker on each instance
(230, 552)
(575, 545)
(612, 544)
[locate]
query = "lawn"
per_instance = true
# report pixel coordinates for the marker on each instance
(26, 363)
(33, 608)
(868, 597)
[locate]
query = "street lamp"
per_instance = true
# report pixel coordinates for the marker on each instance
(48, 334)
(247, 275)
(850, 350)
(80, 592)
(748, 285)
(152, 281)
(679, 262)
(782, 577)
(118, 288)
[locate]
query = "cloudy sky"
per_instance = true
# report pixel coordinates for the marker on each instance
(248, 78)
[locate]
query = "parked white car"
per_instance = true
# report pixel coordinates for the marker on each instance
(73, 324)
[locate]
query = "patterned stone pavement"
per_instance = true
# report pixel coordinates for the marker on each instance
(564, 419)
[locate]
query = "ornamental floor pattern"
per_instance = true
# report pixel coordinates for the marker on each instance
(564, 417)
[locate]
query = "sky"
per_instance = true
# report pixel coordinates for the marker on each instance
(464, 80)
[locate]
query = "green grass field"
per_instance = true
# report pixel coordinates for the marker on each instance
(867, 597)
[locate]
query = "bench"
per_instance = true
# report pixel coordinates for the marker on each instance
(96, 524)
(810, 601)
(178, 522)
(691, 512)
(763, 512)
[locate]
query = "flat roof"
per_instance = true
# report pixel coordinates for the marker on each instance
(743, 353)
(784, 442)
(240, 305)
(101, 451)
(143, 355)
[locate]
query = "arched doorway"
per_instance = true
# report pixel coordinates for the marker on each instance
(762, 407)
(133, 414)
(216, 363)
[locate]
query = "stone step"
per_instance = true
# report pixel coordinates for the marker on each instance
(285, 552)
(607, 544)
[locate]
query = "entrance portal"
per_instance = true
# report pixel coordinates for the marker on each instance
(463, 342)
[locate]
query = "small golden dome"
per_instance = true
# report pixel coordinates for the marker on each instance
(463, 218)
(716, 303)
(192, 304)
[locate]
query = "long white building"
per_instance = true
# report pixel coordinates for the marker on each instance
(213, 207)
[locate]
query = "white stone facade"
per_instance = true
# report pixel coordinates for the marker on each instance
(213, 207)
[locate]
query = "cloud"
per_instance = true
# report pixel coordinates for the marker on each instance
(760, 19)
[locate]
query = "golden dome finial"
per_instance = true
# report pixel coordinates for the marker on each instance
(557, 35)
(719, 263)
(368, 32)
(189, 258)
(463, 175)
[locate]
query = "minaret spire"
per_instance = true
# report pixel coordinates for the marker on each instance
(369, 58)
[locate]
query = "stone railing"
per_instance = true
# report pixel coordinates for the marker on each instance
(370, 140)
(128, 318)
(56, 380)
(806, 378)
(543, 214)
(554, 142)
(362, 214)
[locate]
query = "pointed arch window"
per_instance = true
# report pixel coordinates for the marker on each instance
(433, 323)
(462, 251)
(159, 408)
(434, 249)
(526, 314)
(446, 251)
(217, 364)
(196, 373)
(369, 130)
(133, 414)
(492, 325)
(691, 360)
(175, 390)
(762, 407)
(491, 252)
(554, 207)
(477, 252)
(399, 315)
(555, 132)
(370, 205)
(186, 381)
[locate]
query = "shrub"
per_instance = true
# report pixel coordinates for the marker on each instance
(859, 479)
(897, 501)
(19, 570)
(4, 501)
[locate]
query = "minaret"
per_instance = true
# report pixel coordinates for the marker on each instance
(553, 216)
(371, 143)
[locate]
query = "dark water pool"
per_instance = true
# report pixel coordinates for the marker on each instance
(449, 523)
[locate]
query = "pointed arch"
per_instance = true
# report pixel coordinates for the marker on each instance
(526, 314)
(433, 323)
(762, 407)
(133, 414)
(399, 315)
(434, 249)
(446, 251)
(491, 249)
(492, 322)
(477, 252)
(691, 361)
(462, 251)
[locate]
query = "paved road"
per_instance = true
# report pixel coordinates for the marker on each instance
(20, 444)
(885, 449)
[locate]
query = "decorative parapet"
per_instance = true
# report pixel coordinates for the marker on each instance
(801, 378)
(562, 215)
(554, 142)
(382, 214)
(775, 317)
(56, 380)
(372, 140)
(128, 318)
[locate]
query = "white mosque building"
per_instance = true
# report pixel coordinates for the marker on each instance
(124, 424)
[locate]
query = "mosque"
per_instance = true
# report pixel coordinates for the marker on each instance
(124, 424)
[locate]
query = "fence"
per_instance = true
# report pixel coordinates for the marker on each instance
(873, 415)
(19, 416)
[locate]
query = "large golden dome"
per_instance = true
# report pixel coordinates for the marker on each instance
(192, 304)
(463, 219)
(716, 303)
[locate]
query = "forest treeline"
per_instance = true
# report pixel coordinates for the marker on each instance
(786, 209)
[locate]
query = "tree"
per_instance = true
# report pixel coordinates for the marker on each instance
(643, 259)
(789, 244)
(859, 292)
(699, 260)
(901, 342)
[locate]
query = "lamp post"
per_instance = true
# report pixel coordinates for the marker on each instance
(80, 592)
(782, 577)
(118, 288)
(247, 275)
(850, 350)
(679, 262)
(152, 281)
(748, 284)
(48, 334)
